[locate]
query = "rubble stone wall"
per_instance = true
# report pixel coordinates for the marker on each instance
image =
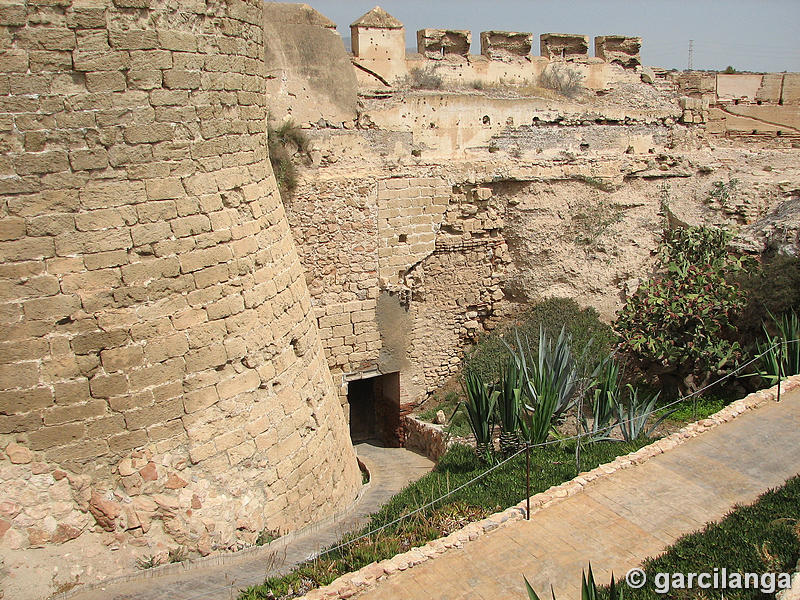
(403, 272)
(163, 381)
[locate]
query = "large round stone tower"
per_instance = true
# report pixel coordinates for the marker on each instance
(162, 378)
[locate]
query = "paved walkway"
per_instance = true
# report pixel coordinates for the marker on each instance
(618, 521)
(391, 469)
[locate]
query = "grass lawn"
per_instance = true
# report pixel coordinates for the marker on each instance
(760, 538)
(704, 407)
(502, 488)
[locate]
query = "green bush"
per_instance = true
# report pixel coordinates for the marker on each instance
(480, 406)
(781, 354)
(551, 382)
(487, 356)
(772, 287)
(679, 325)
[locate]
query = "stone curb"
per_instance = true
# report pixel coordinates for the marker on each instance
(428, 438)
(366, 578)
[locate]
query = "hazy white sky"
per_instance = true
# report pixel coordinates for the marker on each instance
(757, 35)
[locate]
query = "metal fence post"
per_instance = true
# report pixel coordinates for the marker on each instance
(780, 369)
(528, 480)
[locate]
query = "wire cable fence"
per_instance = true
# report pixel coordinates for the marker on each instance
(526, 449)
(560, 440)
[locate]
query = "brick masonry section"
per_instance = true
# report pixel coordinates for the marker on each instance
(159, 357)
(405, 273)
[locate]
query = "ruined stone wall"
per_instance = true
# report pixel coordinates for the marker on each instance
(444, 210)
(457, 292)
(514, 200)
(400, 268)
(749, 105)
(163, 381)
(380, 55)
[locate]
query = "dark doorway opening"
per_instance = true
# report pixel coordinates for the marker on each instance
(375, 409)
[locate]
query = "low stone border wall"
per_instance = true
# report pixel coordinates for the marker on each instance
(350, 584)
(426, 438)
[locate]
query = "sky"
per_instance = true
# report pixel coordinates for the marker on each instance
(754, 35)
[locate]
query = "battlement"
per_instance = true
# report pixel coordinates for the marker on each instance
(439, 43)
(502, 45)
(377, 34)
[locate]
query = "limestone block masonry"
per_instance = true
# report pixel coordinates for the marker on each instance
(162, 380)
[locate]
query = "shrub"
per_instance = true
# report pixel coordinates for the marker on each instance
(266, 535)
(562, 79)
(605, 392)
(550, 382)
(685, 246)
(283, 143)
(487, 356)
(781, 361)
(722, 192)
(634, 414)
(509, 405)
(424, 79)
(679, 324)
(149, 561)
(480, 408)
(772, 287)
(681, 328)
(179, 554)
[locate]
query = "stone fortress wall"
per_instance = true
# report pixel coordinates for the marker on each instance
(436, 212)
(742, 104)
(163, 380)
(379, 52)
(167, 317)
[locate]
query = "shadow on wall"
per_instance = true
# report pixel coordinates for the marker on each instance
(394, 324)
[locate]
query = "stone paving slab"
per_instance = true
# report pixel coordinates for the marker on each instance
(618, 520)
(391, 470)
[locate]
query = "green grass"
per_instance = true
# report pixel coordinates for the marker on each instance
(705, 407)
(457, 424)
(759, 538)
(503, 487)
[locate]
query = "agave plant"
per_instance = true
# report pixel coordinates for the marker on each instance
(589, 589)
(606, 390)
(550, 383)
(509, 406)
(537, 418)
(781, 354)
(480, 406)
(634, 414)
